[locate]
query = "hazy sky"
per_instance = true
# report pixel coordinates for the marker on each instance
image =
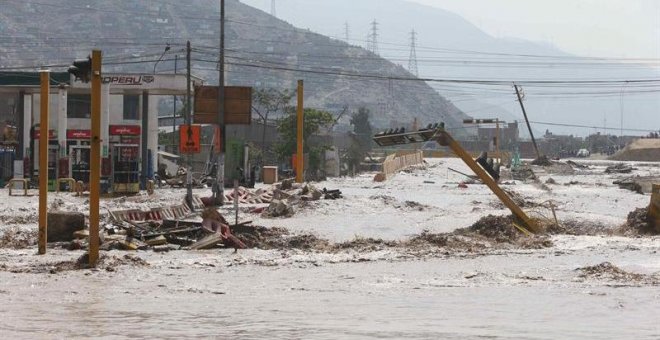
(598, 28)
(612, 28)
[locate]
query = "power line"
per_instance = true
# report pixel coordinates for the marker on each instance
(592, 127)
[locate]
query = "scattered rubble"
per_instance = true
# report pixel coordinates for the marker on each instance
(619, 169)
(18, 238)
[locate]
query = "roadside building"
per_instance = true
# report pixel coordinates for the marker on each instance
(129, 126)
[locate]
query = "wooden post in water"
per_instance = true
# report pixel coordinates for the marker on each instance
(43, 161)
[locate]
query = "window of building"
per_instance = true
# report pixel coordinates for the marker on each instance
(79, 106)
(132, 106)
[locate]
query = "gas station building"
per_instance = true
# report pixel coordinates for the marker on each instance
(129, 126)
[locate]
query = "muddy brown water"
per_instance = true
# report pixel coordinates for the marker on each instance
(532, 294)
(485, 281)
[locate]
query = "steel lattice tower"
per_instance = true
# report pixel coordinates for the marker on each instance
(412, 60)
(347, 32)
(372, 41)
(273, 10)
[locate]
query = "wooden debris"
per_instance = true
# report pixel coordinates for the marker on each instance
(157, 241)
(207, 242)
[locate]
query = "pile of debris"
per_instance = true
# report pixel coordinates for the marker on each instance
(639, 223)
(288, 193)
(523, 173)
(490, 232)
(542, 161)
(608, 271)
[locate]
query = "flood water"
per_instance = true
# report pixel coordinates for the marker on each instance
(260, 294)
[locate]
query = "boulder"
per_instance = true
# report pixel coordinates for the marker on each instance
(62, 225)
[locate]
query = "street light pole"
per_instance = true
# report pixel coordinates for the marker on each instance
(167, 48)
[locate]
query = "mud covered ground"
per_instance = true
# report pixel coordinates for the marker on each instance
(414, 257)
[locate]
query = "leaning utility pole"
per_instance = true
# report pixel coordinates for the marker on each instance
(219, 192)
(529, 127)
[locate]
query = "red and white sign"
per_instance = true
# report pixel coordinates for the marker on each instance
(78, 134)
(125, 130)
(51, 134)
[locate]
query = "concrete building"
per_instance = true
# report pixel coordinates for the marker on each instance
(129, 125)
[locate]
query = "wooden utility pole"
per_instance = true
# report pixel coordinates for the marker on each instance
(219, 190)
(529, 127)
(300, 159)
(95, 160)
(43, 161)
(189, 123)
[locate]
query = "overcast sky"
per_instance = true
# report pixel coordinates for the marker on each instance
(612, 28)
(597, 28)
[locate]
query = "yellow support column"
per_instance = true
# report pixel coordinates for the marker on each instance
(654, 208)
(43, 161)
(95, 160)
(300, 160)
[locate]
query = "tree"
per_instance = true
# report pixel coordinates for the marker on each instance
(362, 138)
(270, 101)
(313, 122)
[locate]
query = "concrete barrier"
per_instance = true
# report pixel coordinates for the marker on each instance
(399, 161)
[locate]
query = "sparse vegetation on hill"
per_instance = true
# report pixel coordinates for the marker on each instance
(262, 51)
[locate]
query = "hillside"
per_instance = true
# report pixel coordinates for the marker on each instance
(262, 51)
(643, 150)
(451, 47)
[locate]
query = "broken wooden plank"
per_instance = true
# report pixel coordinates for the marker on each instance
(207, 242)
